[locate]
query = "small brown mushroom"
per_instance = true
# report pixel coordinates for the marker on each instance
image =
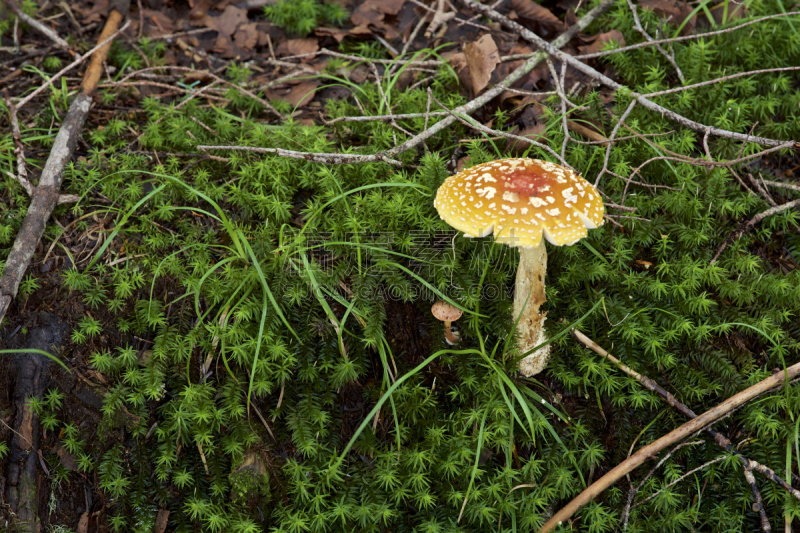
(448, 314)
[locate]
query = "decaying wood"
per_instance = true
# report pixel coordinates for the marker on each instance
(46, 194)
(21, 491)
(48, 335)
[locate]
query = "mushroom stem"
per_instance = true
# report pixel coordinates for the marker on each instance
(449, 336)
(530, 329)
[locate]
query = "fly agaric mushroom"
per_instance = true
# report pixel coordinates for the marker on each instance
(448, 314)
(519, 200)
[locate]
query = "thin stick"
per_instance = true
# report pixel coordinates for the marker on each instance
(589, 71)
(682, 38)
(701, 422)
(781, 185)
(718, 80)
(19, 150)
(78, 61)
(637, 24)
(719, 438)
(216, 79)
(504, 134)
(738, 232)
(467, 108)
(46, 194)
(758, 504)
(41, 28)
(633, 490)
(672, 484)
(385, 117)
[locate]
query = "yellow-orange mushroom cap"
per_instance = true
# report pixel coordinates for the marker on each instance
(519, 200)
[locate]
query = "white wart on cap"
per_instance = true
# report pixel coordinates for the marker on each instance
(519, 200)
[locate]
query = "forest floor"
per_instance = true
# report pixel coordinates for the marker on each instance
(238, 276)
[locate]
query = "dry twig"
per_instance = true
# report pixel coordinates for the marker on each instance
(683, 37)
(591, 72)
(720, 439)
(41, 28)
(738, 232)
(46, 194)
(467, 108)
(637, 24)
(677, 435)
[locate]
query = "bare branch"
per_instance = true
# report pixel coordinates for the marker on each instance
(41, 28)
(589, 71)
(681, 38)
(78, 61)
(331, 159)
(637, 24)
(467, 108)
(743, 228)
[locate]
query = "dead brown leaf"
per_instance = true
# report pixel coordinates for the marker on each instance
(96, 13)
(296, 47)
(481, 57)
(247, 36)
(339, 34)
(530, 10)
(162, 519)
(227, 23)
(676, 11)
(297, 95)
(83, 523)
(67, 460)
(158, 23)
(586, 131)
(372, 12)
(735, 11)
(600, 40)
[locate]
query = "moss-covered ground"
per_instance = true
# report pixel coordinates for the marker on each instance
(244, 316)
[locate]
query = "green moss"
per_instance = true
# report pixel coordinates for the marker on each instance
(302, 16)
(249, 264)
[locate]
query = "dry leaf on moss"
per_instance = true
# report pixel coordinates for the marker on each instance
(247, 36)
(372, 12)
(528, 9)
(296, 94)
(162, 519)
(226, 23)
(675, 10)
(589, 133)
(482, 57)
(297, 47)
(600, 41)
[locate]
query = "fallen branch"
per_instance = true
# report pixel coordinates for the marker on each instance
(46, 195)
(591, 72)
(38, 26)
(678, 39)
(467, 108)
(743, 228)
(705, 420)
(637, 24)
